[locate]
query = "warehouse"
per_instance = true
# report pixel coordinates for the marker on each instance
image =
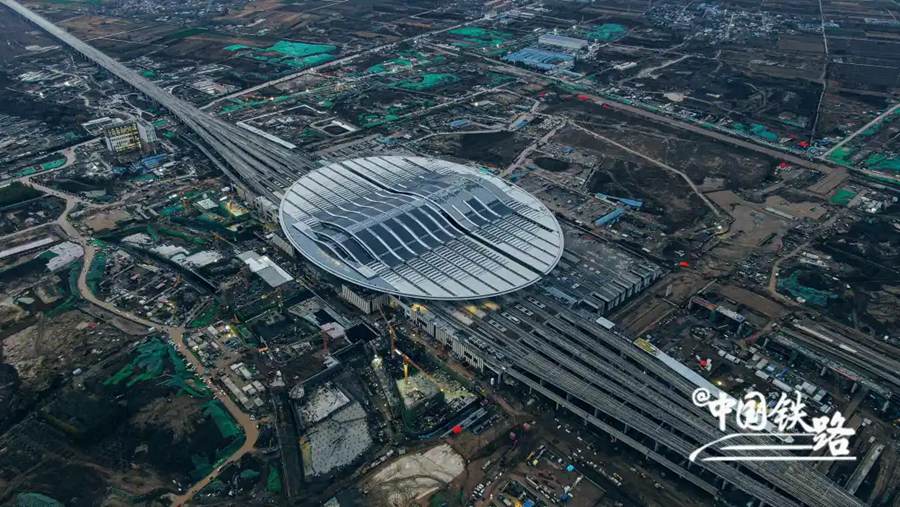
(560, 41)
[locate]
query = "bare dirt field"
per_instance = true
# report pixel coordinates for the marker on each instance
(416, 475)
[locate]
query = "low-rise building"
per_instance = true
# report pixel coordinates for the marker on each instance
(561, 41)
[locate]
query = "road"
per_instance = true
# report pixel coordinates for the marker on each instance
(667, 167)
(735, 141)
(175, 333)
(333, 63)
(255, 164)
(779, 154)
(590, 371)
(531, 148)
(862, 129)
(772, 286)
(823, 77)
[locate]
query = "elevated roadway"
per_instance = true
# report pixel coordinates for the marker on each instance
(253, 162)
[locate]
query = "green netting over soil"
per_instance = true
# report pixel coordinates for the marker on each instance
(761, 131)
(307, 61)
(226, 425)
(300, 49)
(841, 156)
(876, 128)
(35, 500)
(480, 37)
(474, 32)
(46, 166)
(757, 130)
(812, 296)
(374, 120)
(74, 295)
(53, 164)
(843, 197)
(180, 235)
(427, 82)
(607, 32)
(239, 105)
(16, 192)
(206, 317)
(95, 273)
(150, 363)
(880, 162)
(298, 55)
(171, 210)
(382, 67)
(249, 474)
(273, 481)
(215, 486)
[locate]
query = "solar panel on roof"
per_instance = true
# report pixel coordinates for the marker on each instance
(400, 209)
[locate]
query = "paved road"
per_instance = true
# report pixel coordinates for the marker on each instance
(531, 148)
(719, 136)
(862, 129)
(339, 61)
(674, 122)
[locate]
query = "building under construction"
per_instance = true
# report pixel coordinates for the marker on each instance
(129, 136)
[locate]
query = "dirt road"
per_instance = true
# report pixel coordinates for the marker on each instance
(175, 333)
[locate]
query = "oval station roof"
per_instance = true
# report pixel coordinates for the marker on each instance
(420, 227)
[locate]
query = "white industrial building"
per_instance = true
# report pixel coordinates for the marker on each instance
(561, 41)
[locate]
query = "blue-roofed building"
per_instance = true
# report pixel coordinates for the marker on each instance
(540, 59)
(460, 123)
(611, 217)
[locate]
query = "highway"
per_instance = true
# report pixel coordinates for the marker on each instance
(258, 165)
(628, 394)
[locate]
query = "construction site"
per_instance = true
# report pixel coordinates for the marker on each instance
(473, 253)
